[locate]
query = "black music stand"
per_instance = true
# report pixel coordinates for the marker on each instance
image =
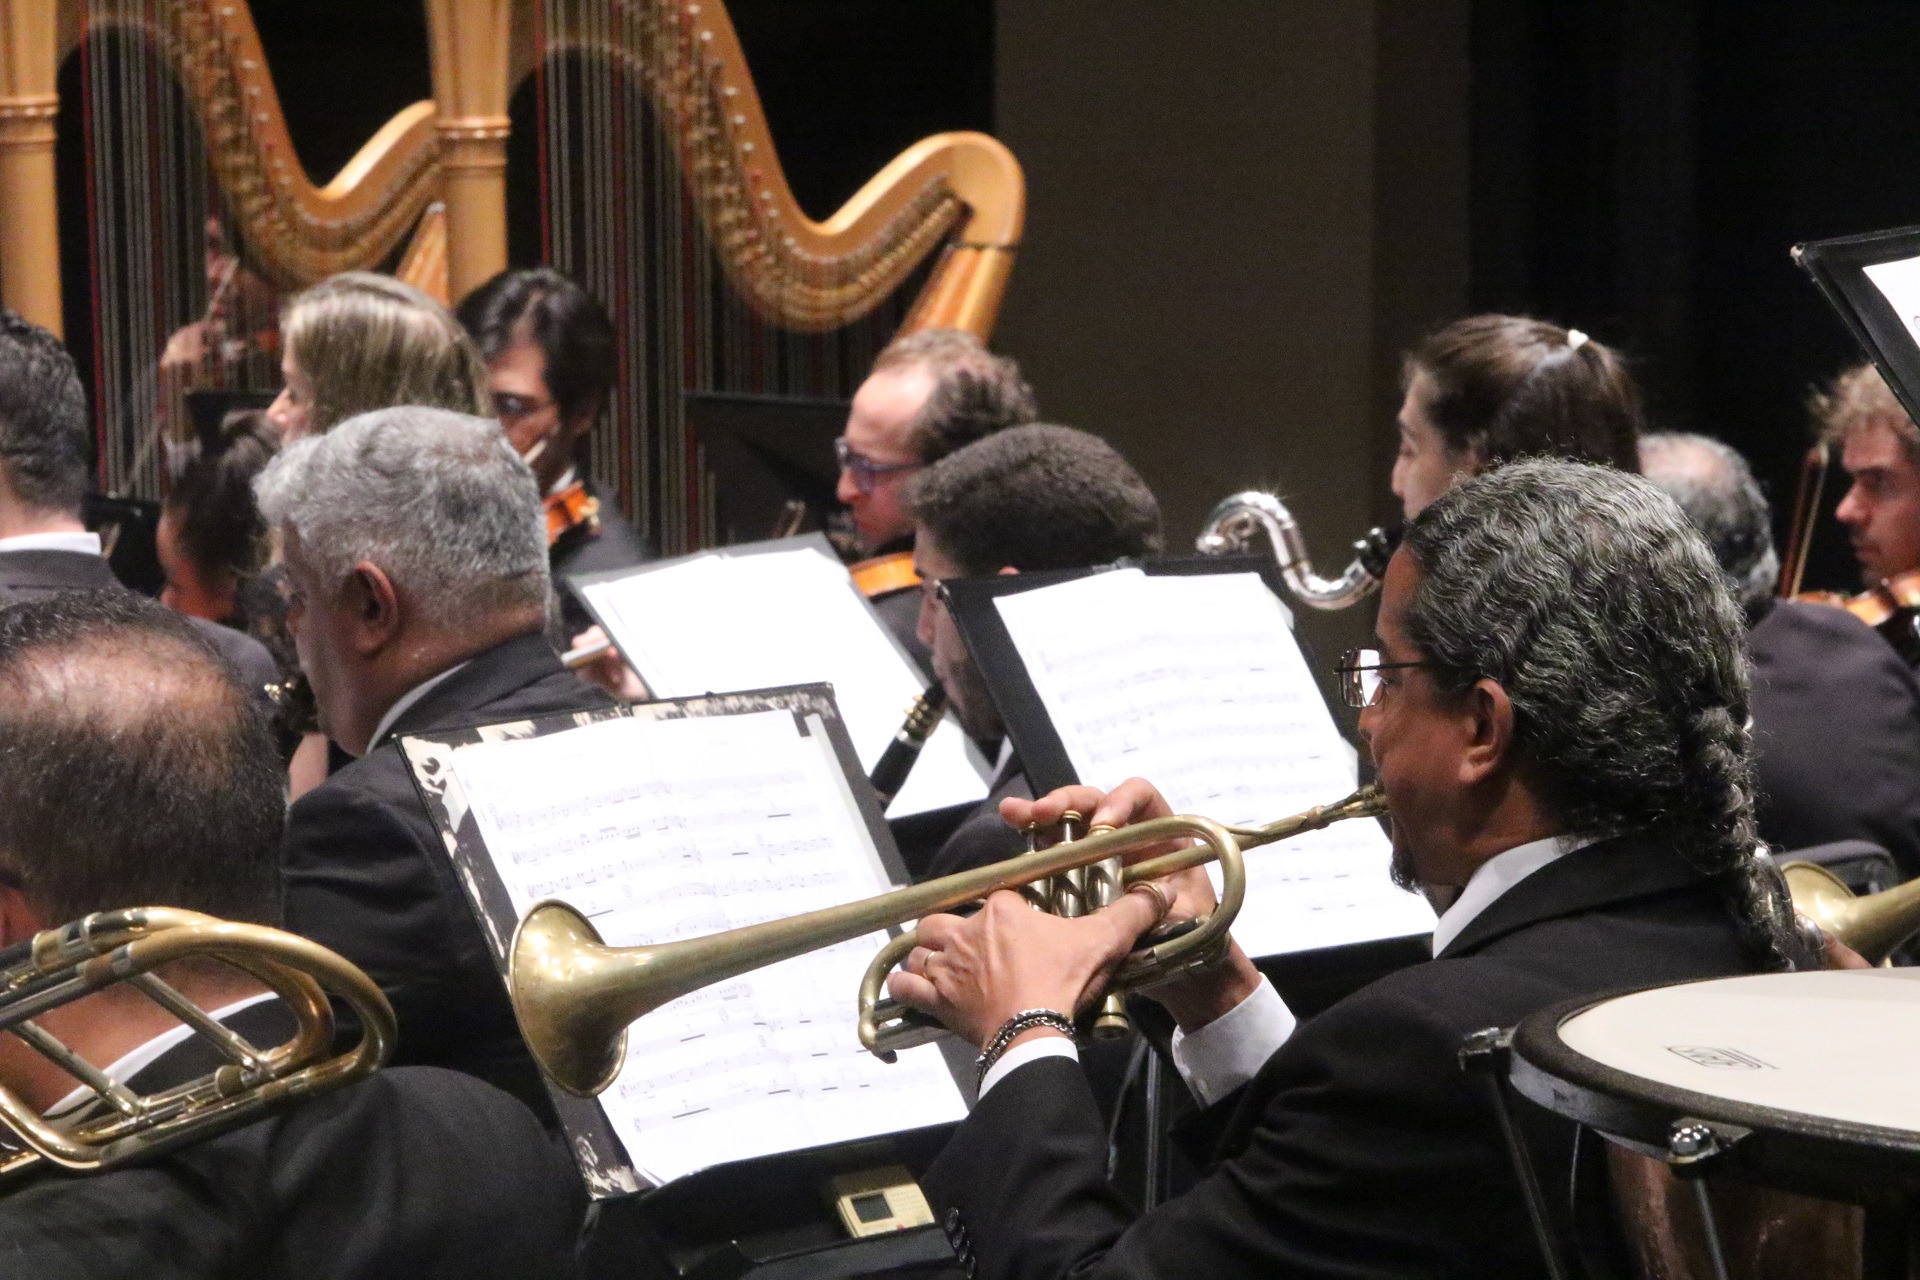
(728, 1220)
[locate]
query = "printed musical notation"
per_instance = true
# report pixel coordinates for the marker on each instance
(703, 625)
(1197, 684)
(659, 830)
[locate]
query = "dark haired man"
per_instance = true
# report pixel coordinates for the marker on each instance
(44, 475)
(1023, 499)
(137, 774)
(929, 394)
(552, 356)
(1557, 711)
(1836, 713)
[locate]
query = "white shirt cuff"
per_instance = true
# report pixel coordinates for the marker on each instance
(1230, 1050)
(1021, 1054)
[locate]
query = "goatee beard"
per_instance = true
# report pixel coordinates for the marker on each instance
(1401, 869)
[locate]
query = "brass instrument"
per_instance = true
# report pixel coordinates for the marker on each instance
(1235, 521)
(575, 996)
(1872, 925)
(58, 966)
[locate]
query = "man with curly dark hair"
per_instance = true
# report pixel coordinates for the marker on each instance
(1557, 707)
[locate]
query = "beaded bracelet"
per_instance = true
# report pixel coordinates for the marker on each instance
(1025, 1020)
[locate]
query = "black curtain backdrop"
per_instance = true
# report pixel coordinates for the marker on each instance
(1642, 167)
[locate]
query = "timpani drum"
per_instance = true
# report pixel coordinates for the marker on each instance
(1807, 1082)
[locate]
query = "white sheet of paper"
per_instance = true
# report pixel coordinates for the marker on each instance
(1899, 283)
(720, 623)
(669, 829)
(1195, 683)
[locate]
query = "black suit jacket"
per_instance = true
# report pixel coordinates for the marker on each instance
(614, 545)
(982, 838)
(1360, 1149)
(1836, 733)
(413, 1172)
(368, 875)
(35, 575)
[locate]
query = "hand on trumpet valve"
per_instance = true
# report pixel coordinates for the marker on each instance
(975, 973)
(1195, 998)
(1134, 800)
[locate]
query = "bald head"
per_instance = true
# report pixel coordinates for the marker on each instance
(135, 768)
(1715, 487)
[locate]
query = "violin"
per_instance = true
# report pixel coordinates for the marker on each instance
(1892, 608)
(571, 508)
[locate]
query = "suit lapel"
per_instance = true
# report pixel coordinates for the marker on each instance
(1619, 869)
(487, 678)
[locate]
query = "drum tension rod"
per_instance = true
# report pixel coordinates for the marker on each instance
(1487, 1054)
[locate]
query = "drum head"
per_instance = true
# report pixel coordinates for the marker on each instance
(1819, 1067)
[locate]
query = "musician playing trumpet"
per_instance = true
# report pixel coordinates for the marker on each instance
(1557, 707)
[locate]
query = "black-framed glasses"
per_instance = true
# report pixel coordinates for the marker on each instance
(865, 471)
(1359, 671)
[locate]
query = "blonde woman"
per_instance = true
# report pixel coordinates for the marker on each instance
(359, 341)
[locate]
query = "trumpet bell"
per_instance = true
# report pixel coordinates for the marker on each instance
(573, 1021)
(1873, 925)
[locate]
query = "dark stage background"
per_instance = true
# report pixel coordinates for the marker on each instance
(1241, 212)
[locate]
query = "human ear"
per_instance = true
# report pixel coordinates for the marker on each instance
(1487, 720)
(369, 596)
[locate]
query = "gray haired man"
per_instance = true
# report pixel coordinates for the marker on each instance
(1836, 712)
(415, 543)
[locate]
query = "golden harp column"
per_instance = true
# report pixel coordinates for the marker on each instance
(29, 211)
(470, 86)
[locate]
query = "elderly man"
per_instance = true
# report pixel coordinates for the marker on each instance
(1557, 710)
(929, 394)
(137, 774)
(1024, 499)
(1836, 713)
(417, 550)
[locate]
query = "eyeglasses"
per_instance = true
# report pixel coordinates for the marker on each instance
(511, 408)
(1359, 671)
(866, 473)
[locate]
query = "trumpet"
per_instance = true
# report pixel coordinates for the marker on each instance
(1872, 925)
(58, 966)
(1235, 521)
(575, 997)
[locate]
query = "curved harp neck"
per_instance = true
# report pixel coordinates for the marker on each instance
(961, 190)
(297, 232)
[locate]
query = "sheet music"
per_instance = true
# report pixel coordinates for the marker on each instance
(1899, 283)
(659, 830)
(1196, 683)
(720, 623)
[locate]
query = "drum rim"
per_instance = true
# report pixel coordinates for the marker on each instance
(1608, 1092)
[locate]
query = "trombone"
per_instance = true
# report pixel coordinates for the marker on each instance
(59, 966)
(1236, 521)
(575, 997)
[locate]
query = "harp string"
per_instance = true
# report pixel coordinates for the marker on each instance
(620, 215)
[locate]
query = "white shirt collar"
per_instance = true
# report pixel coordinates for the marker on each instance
(1497, 875)
(132, 1063)
(405, 700)
(87, 544)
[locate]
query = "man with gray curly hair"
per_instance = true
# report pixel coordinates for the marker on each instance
(416, 548)
(1557, 707)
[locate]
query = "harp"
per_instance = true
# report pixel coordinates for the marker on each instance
(660, 190)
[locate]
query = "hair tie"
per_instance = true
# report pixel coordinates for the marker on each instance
(1575, 339)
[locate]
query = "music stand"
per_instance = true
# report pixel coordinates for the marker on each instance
(1873, 282)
